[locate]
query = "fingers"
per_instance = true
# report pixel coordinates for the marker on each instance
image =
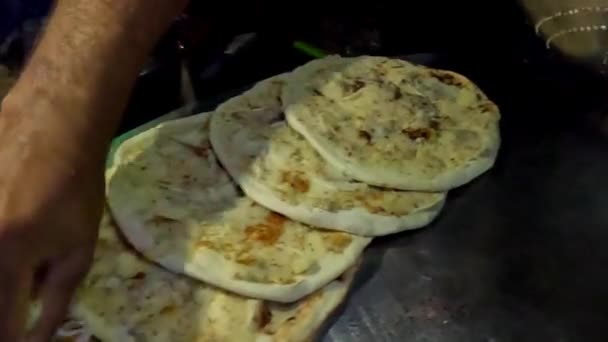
(15, 288)
(56, 292)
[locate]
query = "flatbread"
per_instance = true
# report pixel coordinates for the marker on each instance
(277, 168)
(125, 298)
(177, 206)
(390, 123)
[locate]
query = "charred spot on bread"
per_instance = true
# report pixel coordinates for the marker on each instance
(435, 124)
(417, 133)
(397, 94)
(168, 309)
(139, 276)
(279, 116)
(351, 88)
(264, 316)
(365, 135)
(296, 180)
(446, 78)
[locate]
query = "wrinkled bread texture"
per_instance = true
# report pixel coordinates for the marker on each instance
(178, 207)
(390, 123)
(276, 166)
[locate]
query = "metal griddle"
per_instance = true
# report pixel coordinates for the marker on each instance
(520, 254)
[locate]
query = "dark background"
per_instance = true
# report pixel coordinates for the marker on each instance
(486, 37)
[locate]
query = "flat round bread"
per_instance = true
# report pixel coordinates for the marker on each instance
(177, 206)
(126, 298)
(276, 167)
(390, 123)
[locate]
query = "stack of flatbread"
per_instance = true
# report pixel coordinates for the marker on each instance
(248, 223)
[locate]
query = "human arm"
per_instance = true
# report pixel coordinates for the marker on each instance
(55, 128)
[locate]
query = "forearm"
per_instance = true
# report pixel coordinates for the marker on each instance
(77, 82)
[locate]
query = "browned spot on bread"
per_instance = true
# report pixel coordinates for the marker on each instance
(276, 219)
(337, 242)
(167, 309)
(374, 209)
(373, 201)
(263, 316)
(397, 94)
(268, 232)
(486, 107)
(365, 136)
(200, 151)
(296, 180)
(358, 85)
(417, 133)
(379, 73)
(351, 88)
(446, 78)
(139, 276)
(245, 258)
(435, 125)
(159, 219)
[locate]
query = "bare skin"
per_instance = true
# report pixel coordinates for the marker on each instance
(55, 128)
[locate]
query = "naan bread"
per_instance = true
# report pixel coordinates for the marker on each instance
(125, 298)
(390, 123)
(277, 168)
(178, 207)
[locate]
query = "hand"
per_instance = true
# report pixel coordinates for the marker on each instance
(51, 199)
